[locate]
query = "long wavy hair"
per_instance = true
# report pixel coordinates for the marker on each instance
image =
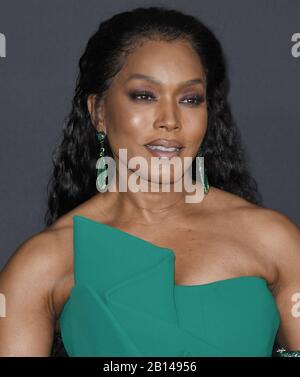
(73, 179)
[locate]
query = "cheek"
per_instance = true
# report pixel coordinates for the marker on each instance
(203, 125)
(128, 120)
(126, 130)
(196, 126)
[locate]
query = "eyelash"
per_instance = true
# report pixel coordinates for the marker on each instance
(198, 99)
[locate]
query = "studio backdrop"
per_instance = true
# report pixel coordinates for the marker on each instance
(41, 42)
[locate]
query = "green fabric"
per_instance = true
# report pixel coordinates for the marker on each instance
(125, 303)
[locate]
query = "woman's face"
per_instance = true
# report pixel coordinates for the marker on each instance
(138, 110)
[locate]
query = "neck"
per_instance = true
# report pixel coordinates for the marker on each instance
(155, 202)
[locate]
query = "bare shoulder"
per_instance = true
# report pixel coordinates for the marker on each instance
(38, 264)
(27, 281)
(263, 221)
(273, 236)
(277, 240)
(280, 238)
(275, 233)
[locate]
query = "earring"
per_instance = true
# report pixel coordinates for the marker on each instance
(101, 169)
(203, 176)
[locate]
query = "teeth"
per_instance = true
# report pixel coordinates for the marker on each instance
(161, 148)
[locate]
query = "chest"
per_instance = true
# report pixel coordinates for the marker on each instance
(127, 279)
(202, 255)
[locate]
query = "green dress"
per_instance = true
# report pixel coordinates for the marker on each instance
(125, 302)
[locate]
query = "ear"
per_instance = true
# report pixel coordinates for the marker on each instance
(96, 111)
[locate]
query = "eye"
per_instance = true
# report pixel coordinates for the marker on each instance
(148, 96)
(143, 96)
(196, 100)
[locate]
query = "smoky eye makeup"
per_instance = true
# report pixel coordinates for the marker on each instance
(143, 95)
(140, 94)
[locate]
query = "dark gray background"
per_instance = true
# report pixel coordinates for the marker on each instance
(44, 42)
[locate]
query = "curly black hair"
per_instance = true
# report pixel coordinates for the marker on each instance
(73, 179)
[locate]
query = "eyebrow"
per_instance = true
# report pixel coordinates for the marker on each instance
(156, 81)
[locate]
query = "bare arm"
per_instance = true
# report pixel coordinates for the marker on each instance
(285, 240)
(26, 283)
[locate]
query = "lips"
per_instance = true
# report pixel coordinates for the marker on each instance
(161, 151)
(166, 143)
(164, 148)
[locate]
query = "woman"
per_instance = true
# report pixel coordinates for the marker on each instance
(103, 271)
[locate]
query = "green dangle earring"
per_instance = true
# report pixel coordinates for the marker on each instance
(203, 176)
(101, 167)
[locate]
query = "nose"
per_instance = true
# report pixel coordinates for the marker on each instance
(168, 116)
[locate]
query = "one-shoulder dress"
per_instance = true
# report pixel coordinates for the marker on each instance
(124, 302)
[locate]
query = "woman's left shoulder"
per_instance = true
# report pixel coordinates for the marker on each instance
(275, 233)
(278, 241)
(273, 230)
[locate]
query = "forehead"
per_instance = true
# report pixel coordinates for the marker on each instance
(169, 62)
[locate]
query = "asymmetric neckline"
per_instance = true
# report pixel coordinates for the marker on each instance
(125, 302)
(170, 252)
